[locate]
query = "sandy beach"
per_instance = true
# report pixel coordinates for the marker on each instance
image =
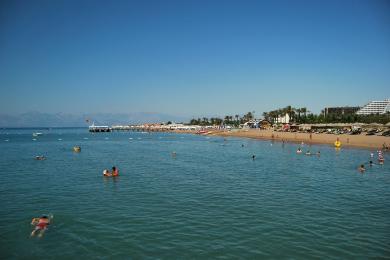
(363, 141)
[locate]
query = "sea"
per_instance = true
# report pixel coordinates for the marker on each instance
(184, 196)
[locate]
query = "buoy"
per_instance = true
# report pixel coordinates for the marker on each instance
(337, 144)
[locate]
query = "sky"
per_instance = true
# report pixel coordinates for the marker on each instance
(192, 58)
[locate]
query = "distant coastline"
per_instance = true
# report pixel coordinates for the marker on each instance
(42, 127)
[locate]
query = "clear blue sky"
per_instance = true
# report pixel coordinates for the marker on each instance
(192, 57)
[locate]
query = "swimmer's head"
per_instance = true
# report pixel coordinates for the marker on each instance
(44, 216)
(113, 168)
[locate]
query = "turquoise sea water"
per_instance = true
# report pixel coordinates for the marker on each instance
(211, 201)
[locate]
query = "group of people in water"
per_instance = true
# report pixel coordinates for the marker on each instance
(299, 151)
(113, 173)
(41, 224)
(381, 161)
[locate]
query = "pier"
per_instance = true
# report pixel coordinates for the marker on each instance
(143, 128)
(99, 129)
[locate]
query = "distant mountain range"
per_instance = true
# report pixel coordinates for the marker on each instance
(35, 119)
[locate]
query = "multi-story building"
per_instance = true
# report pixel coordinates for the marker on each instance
(375, 107)
(340, 110)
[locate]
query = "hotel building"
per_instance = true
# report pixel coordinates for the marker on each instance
(340, 110)
(375, 107)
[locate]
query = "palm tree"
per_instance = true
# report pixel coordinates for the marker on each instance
(248, 116)
(304, 111)
(293, 113)
(281, 112)
(227, 120)
(273, 114)
(266, 116)
(299, 111)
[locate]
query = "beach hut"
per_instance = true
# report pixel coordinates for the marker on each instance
(265, 124)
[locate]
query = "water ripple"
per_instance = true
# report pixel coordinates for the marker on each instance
(210, 201)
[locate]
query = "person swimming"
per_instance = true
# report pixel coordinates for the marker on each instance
(318, 153)
(299, 150)
(371, 163)
(106, 173)
(40, 225)
(40, 157)
(253, 157)
(114, 172)
(308, 152)
(361, 168)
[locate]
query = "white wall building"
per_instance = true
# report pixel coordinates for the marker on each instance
(375, 107)
(282, 119)
(253, 123)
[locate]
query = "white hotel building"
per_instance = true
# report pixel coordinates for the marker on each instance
(375, 107)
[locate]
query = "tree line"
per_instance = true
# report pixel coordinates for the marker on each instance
(235, 120)
(304, 116)
(297, 115)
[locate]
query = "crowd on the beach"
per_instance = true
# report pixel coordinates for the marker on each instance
(339, 131)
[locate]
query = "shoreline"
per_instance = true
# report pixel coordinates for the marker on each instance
(357, 141)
